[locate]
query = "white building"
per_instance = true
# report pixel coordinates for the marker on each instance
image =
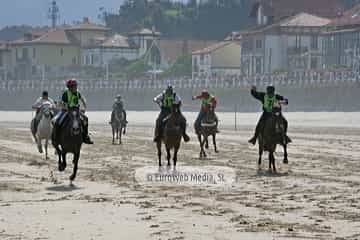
(116, 47)
(221, 58)
(289, 44)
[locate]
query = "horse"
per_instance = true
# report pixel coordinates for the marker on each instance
(207, 128)
(272, 135)
(172, 135)
(44, 128)
(69, 140)
(117, 125)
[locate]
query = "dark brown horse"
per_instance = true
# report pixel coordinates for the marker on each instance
(172, 135)
(273, 134)
(117, 125)
(208, 127)
(69, 140)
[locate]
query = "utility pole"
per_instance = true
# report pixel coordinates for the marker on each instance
(54, 13)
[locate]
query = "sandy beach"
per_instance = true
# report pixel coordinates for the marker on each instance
(316, 196)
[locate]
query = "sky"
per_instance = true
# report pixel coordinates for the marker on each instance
(34, 12)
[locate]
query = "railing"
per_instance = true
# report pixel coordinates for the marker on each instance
(292, 79)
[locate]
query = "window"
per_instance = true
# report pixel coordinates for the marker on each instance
(61, 52)
(34, 53)
(314, 42)
(297, 42)
(314, 63)
(258, 44)
(258, 65)
(25, 53)
(202, 59)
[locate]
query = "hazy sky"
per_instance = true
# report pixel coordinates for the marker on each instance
(34, 12)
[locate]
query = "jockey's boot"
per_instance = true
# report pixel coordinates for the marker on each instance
(287, 139)
(185, 136)
(86, 137)
(253, 140)
(157, 135)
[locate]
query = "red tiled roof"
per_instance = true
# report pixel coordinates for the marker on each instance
(54, 36)
(212, 48)
(305, 20)
(299, 20)
(86, 25)
(285, 8)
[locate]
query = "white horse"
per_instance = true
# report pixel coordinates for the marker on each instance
(44, 128)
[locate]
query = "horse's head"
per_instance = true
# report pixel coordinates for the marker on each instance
(74, 117)
(279, 123)
(46, 109)
(210, 115)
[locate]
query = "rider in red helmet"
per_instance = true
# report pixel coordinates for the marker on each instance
(72, 98)
(206, 100)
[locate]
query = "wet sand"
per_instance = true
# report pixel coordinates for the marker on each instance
(316, 196)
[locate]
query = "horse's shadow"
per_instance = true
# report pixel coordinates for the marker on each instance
(63, 188)
(269, 173)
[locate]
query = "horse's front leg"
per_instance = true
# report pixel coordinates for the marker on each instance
(286, 161)
(46, 148)
(158, 145)
(202, 146)
(272, 161)
(175, 156)
(120, 135)
(168, 156)
(39, 145)
(113, 135)
(214, 142)
(63, 161)
(75, 161)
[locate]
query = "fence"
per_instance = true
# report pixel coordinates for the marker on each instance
(291, 79)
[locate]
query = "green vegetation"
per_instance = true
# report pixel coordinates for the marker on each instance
(212, 20)
(137, 68)
(181, 67)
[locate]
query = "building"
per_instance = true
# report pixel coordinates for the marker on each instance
(270, 11)
(172, 49)
(292, 43)
(341, 43)
(110, 49)
(5, 59)
(52, 49)
(221, 58)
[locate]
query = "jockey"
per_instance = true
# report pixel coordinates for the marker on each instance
(268, 100)
(206, 101)
(72, 98)
(118, 106)
(38, 104)
(166, 100)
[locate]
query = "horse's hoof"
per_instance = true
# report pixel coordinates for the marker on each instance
(216, 151)
(71, 184)
(286, 161)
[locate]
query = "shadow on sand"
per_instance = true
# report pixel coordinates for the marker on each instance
(63, 188)
(269, 173)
